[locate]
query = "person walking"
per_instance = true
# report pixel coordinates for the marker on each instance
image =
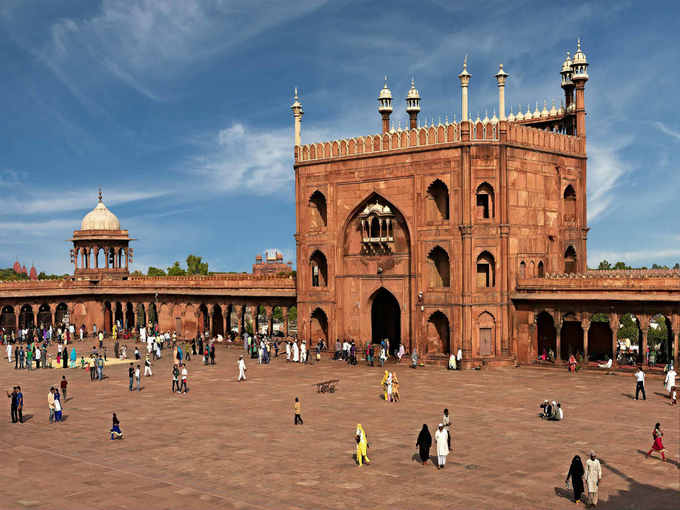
(138, 374)
(50, 403)
(424, 443)
(63, 384)
(212, 353)
(175, 378)
(640, 386)
(459, 358)
(657, 446)
(446, 421)
(100, 367)
(92, 365)
(131, 374)
(362, 445)
(576, 473)
(13, 404)
(57, 406)
(20, 404)
(185, 374)
(441, 438)
(593, 477)
(298, 407)
(241, 369)
(669, 381)
(147, 367)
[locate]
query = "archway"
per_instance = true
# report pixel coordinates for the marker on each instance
(44, 316)
(660, 340)
(129, 316)
(26, 319)
(571, 337)
(317, 204)
(60, 313)
(547, 334)
(277, 321)
(487, 334)
(599, 338)
(438, 334)
(318, 326)
(570, 260)
(203, 319)
(486, 270)
(119, 318)
(440, 268)
(485, 201)
(319, 267)
(629, 338)
(217, 322)
(8, 320)
(108, 317)
(437, 201)
(141, 316)
(385, 318)
(569, 204)
(152, 316)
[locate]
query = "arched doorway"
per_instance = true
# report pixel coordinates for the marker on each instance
(118, 317)
(141, 316)
(108, 317)
(599, 338)
(44, 316)
(203, 319)
(60, 313)
(385, 318)
(318, 326)
(438, 334)
(129, 316)
(571, 337)
(26, 319)
(547, 335)
(217, 321)
(8, 320)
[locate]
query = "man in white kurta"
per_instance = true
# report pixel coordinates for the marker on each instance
(296, 352)
(241, 369)
(287, 351)
(303, 352)
(9, 351)
(670, 382)
(593, 476)
(441, 438)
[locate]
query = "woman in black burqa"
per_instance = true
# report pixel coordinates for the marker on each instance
(424, 444)
(576, 473)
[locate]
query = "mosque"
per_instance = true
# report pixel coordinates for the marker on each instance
(467, 234)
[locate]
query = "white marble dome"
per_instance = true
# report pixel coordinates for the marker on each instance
(100, 218)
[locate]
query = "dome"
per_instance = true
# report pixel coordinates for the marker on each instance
(413, 91)
(566, 65)
(385, 92)
(100, 218)
(579, 56)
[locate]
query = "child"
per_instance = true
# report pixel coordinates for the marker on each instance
(298, 418)
(115, 430)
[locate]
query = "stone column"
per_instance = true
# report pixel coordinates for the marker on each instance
(675, 349)
(585, 326)
(614, 326)
(285, 310)
(269, 314)
(558, 341)
(643, 324)
(239, 318)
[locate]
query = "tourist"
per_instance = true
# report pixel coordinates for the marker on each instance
(50, 403)
(572, 364)
(424, 443)
(64, 385)
(382, 356)
(57, 406)
(383, 384)
(38, 355)
(338, 349)
(395, 388)
(22, 357)
(296, 352)
(20, 404)
(459, 358)
(446, 421)
(138, 374)
(9, 352)
(389, 387)
(441, 438)
(212, 353)
(400, 353)
(593, 476)
(131, 374)
(452, 362)
(414, 358)
(288, 351)
(303, 352)
(116, 433)
(147, 367)
(657, 446)
(241, 369)
(557, 413)
(100, 367)
(669, 381)
(175, 378)
(297, 409)
(91, 364)
(29, 357)
(137, 355)
(576, 473)
(640, 386)
(13, 404)
(608, 364)
(362, 445)
(185, 375)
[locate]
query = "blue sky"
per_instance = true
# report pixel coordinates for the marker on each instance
(180, 111)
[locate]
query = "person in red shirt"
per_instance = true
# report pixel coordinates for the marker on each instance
(63, 385)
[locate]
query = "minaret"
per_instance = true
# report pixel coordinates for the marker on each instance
(567, 84)
(297, 114)
(464, 82)
(413, 105)
(579, 76)
(385, 106)
(501, 76)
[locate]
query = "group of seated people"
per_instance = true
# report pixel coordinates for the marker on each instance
(551, 411)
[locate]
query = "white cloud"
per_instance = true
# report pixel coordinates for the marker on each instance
(39, 228)
(668, 131)
(634, 256)
(605, 169)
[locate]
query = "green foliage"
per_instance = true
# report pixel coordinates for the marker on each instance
(151, 315)
(628, 328)
(292, 313)
(249, 326)
(621, 265)
(600, 317)
(277, 313)
(134, 273)
(44, 276)
(677, 265)
(139, 314)
(176, 270)
(196, 266)
(657, 336)
(9, 275)
(154, 271)
(604, 265)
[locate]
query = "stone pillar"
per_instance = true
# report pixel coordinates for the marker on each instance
(643, 324)
(285, 310)
(675, 349)
(585, 325)
(239, 318)
(614, 326)
(558, 341)
(269, 314)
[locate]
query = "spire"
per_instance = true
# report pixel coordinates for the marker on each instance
(296, 107)
(99, 195)
(464, 77)
(385, 106)
(413, 104)
(501, 77)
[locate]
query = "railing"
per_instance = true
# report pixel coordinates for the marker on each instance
(541, 139)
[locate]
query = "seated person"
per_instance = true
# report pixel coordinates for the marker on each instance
(558, 414)
(544, 405)
(608, 364)
(115, 430)
(452, 362)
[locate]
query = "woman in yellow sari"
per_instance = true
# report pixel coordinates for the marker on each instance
(362, 445)
(383, 383)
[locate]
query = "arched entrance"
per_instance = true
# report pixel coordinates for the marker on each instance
(385, 318)
(44, 316)
(571, 337)
(129, 317)
(547, 335)
(108, 317)
(318, 326)
(119, 318)
(26, 320)
(438, 334)
(8, 320)
(217, 322)
(60, 313)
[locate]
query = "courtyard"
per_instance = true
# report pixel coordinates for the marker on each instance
(233, 445)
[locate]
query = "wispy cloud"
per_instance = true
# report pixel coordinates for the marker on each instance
(605, 169)
(635, 256)
(666, 130)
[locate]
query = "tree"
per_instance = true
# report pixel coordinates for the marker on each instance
(277, 314)
(604, 265)
(196, 266)
(599, 317)
(621, 265)
(137, 272)
(154, 271)
(628, 328)
(176, 270)
(677, 265)
(292, 313)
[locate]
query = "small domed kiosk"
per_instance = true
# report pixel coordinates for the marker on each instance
(101, 248)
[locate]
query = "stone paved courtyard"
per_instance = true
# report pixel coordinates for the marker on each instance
(231, 445)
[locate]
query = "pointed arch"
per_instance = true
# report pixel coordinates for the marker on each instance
(487, 329)
(570, 260)
(440, 267)
(438, 334)
(486, 270)
(522, 270)
(540, 269)
(437, 207)
(485, 201)
(319, 269)
(318, 325)
(385, 318)
(318, 210)
(569, 197)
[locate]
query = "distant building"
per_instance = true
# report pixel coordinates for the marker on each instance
(272, 264)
